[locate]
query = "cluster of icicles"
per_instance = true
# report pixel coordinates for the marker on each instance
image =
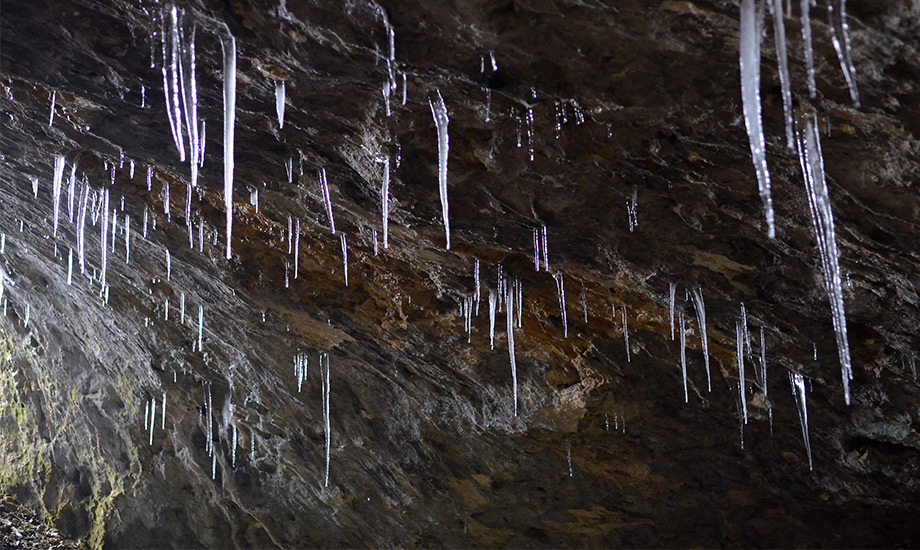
(178, 70)
(802, 137)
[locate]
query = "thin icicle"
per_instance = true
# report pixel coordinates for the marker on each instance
(509, 318)
(327, 198)
(673, 290)
(840, 36)
(53, 98)
(763, 362)
(696, 295)
(751, 23)
(536, 249)
(297, 249)
(385, 202)
(626, 334)
(477, 292)
(279, 102)
(228, 46)
(545, 251)
(325, 376)
(683, 353)
(200, 327)
(805, 6)
(493, 299)
(439, 113)
(782, 61)
(797, 381)
(560, 291)
(739, 350)
(56, 188)
(344, 255)
(103, 238)
(822, 217)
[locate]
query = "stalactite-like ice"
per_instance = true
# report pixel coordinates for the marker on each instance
(840, 36)
(279, 102)
(751, 24)
(822, 217)
(439, 113)
(228, 47)
(697, 296)
(797, 381)
(782, 61)
(56, 188)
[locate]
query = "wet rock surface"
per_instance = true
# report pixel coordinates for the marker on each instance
(628, 101)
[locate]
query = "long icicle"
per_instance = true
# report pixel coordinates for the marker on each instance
(750, 100)
(782, 61)
(439, 112)
(840, 36)
(805, 6)
(228, 46)
(822, 217)
(697, 295)
(797, 381)
(509, 318)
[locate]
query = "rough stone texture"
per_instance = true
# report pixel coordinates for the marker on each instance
(425, 448)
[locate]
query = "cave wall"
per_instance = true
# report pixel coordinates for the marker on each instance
(615, 127)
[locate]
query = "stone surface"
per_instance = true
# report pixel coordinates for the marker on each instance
(425, 448)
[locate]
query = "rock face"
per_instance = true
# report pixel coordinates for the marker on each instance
(615, 126)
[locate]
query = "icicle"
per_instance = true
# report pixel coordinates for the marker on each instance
(327, 198)
(560, 291)
(545, 251)
(200, 327)
(81, 224)
(149, 178)
(739, 348)
(536, 250)
(228, 46)
(376, 247)
(168, 266)
(56, 188)
(279, 102)
(72, 187)
(53, 98)
(103, 239)
(202, 141)
(171, 80)
(187, 70)
(763, 362)
(439, 113)
(477, 293)
(289, 169)
(233, 452)
(114, 227)
(626, 334)
(797, 382)
(509, 318)
(297, 250)
(131, 169)
(325, 375)
(69, 267)
(34, 180)
(673, 291)
(385, 201)
(700, 306)
(163, 418)
(493, 298)
(683, 353)
(290, 239)
(840, 36)
(147, 415)
(750, 95)
(344, 255)
(809, 49)
(822, 217)
(782, 60)
(182, 308)
(153, 417)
